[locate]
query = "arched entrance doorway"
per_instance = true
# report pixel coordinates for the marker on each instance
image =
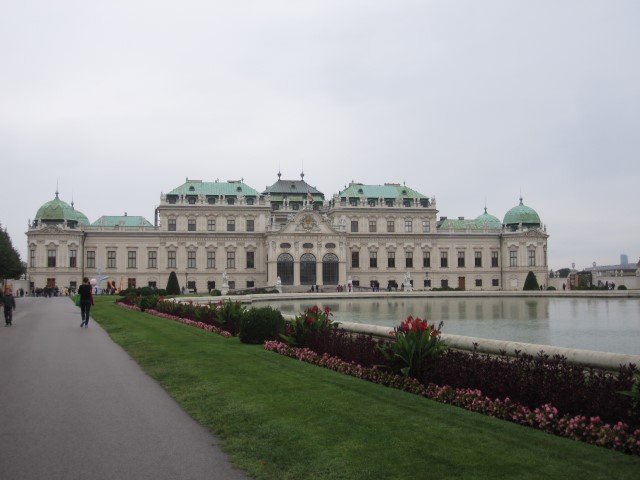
(308, 269)
(285, 268)
(330, 269)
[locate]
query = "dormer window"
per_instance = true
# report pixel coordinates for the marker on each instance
(192, 188)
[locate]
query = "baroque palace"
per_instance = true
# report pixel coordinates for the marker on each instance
(370, 236)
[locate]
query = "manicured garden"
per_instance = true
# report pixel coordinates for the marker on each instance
(279, 418)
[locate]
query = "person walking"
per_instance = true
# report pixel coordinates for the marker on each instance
(86, 300)
(9, 305)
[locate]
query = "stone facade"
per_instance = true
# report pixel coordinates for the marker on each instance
(368, 236)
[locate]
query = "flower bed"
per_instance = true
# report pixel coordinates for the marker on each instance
(203, 326)
(547, 418)
(593, 430)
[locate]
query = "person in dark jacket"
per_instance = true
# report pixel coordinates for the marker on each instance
(9, 305)
(86, 300)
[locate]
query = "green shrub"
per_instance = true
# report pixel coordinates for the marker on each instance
(143, 302)
(621, 287)
(215, 293)
(551, 288)
(260, 324)
(308, 324)
(173, 287)
(531, 282)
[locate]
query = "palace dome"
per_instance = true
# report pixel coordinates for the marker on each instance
(56, 211)
(522, 215)
(489, 220)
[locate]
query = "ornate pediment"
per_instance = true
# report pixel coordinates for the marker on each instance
(308, 221)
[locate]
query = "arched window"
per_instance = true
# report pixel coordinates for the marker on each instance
(330, 269)
(308, 269)
(285, 268)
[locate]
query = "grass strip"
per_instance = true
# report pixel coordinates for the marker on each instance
(282, 419)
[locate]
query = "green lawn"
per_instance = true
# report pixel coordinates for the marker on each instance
(283, 419)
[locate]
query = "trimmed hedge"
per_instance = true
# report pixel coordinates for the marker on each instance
(261, 324)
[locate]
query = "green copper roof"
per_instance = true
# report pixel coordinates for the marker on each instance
(489, 220)
(121, 221)
(58, 211)
(521, 214)
(197, 187)
(483, 221)
(387, 191)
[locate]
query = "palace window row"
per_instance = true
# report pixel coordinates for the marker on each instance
(192, 225)
(152, 259)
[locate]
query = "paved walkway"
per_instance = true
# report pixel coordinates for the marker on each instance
(73, 405)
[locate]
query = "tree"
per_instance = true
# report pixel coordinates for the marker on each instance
(531, 282)
(10, 264)
(173, 287)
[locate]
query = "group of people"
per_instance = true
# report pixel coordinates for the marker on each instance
(85, 291)
(9, 304)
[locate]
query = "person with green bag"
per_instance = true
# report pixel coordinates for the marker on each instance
(85, 291)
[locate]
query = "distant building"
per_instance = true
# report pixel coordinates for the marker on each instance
(370, 235)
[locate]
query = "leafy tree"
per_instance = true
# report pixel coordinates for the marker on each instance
(173, 287)
(10, 264)
(564, 272)
(531, 282)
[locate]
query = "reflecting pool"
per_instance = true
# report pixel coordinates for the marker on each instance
(602, 324)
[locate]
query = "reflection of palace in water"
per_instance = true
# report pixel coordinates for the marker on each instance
(365, 235)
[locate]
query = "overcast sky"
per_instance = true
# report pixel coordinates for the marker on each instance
(474, 102)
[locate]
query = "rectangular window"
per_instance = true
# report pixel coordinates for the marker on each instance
(171, 226)
(131, 259)
(444, 283)
(478, 259)
(391, 225)
(513, 258)
(460, 259)
(211, 259)
(426, 226)
(191, 259)
(251, 260)
(494, 259)
(32, 258)
(427, 283)
(373, 259)
(250, 225)
(211, 224)
(354, 225)
(191, 286)
(131, 283)
(408, 259)
(51, 258)
(153, 285)
(478, 282)
(532, 258)
(231, 225)
(152, 259)
(408, 226)
(111, 259)
(250, 283)
(73, 258)
(355, 259)
(171, 259)
(231, 259)
(495, 282)
(373, 226)
(426, 259)
(444, 260)
(391, 259)
(91, 259)
(191, 224)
